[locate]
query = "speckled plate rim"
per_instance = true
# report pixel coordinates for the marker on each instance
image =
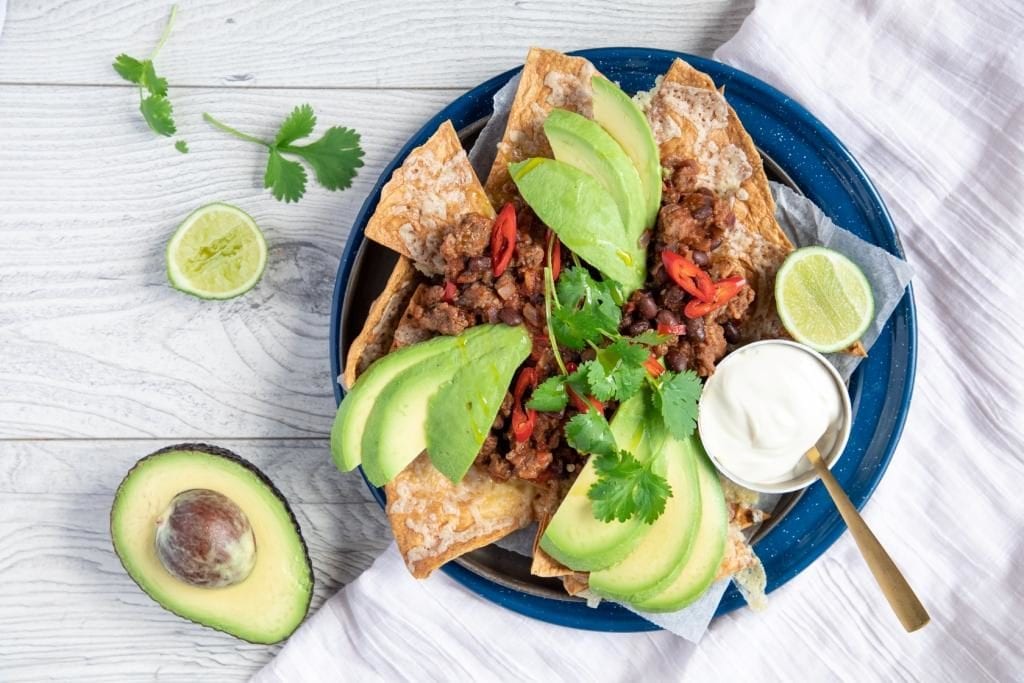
(881, 391)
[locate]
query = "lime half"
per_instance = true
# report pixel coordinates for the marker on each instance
(216, 253)
(823, 299)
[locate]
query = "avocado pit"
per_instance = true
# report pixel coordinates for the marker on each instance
(204, 539)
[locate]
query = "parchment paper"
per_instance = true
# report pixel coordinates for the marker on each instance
(806, 225)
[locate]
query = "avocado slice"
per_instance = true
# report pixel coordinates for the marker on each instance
(395, 431)
(584, 216)
(708, 548)
(574, 536)
(460, 414)
(581, 143)
(263, 605)
(349, 421)
(660, 556)
(618, 114)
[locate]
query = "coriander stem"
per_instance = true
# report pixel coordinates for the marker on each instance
(549, 286)
(231, 131)
(166, 34)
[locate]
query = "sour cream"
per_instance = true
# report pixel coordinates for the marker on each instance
(765, 406)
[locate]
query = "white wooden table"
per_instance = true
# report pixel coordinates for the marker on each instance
(101, 362)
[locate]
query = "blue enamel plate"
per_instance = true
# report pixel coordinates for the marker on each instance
(798, 150)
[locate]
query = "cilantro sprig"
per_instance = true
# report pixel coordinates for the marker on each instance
(334, 157)
(153, 101)
(627, 487)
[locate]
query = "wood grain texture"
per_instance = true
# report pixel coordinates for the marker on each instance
(295, 43)
(96, 344)
(68, 611)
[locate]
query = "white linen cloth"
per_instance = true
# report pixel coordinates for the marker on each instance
(930, 99)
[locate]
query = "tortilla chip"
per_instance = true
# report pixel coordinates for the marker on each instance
(435, 521)
(408, 331)
(544, 507)
(374, 341)
(576, 583)
(549, 80)
(425, 197)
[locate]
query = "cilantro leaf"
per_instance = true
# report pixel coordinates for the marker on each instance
(677, 398)
(589, 432)
(602, 385)
(587, 310)
(156, 108)
(181, 146)
(158, 114)
(299, 124)
(334, 157)
(129, 68)
(550, 396)
(628, 353)
(649, 338)
(151, 82)
(286, 179)
(626, 487)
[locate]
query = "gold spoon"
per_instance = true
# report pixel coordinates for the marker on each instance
(898, 592)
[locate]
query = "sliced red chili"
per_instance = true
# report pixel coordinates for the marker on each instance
(581, 404)
(724, 291)
(523, 423)
(503, 239)
(678, 329)
(555, 249)
(523, 419)
(654, 366)
(688, 275)
(450, 291)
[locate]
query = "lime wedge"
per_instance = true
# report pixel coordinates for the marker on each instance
(216, 253)
(823, 299)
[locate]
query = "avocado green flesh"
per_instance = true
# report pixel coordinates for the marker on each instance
(622, 119)
(660, 556)
(575, 537)
(584, 216)
(461, 413)
(266, 606)
(580, 142)
(708, 548)
(347, 429)
(395, 431)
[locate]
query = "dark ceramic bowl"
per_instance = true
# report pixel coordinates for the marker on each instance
(797, 150)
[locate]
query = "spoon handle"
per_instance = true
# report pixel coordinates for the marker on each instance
(898, 592)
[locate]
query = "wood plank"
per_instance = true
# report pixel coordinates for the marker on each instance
(296, 43)
(95, 343)
(68, 611)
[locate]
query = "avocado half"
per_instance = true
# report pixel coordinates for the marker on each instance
(267, 605)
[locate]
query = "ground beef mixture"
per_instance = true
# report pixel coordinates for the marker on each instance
(692, 222)
(471, 295)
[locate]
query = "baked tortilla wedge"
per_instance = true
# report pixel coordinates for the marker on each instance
(378, 333)
(435, 521)
(428, 194)
(549, 80)
(691, 119)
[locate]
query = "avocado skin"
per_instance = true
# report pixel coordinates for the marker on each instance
(216, 452)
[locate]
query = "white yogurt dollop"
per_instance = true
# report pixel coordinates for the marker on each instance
(765, 407)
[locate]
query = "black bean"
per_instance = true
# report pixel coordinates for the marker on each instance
(639, 327)
(701, 258)
(510, 316)
(675, 360)
(695, 328)
(646, 306)
(667, 317)
(715, 243)
(732, 332)
(672, 297)
(588, 354)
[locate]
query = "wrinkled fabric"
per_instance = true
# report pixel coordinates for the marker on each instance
(930, 99)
